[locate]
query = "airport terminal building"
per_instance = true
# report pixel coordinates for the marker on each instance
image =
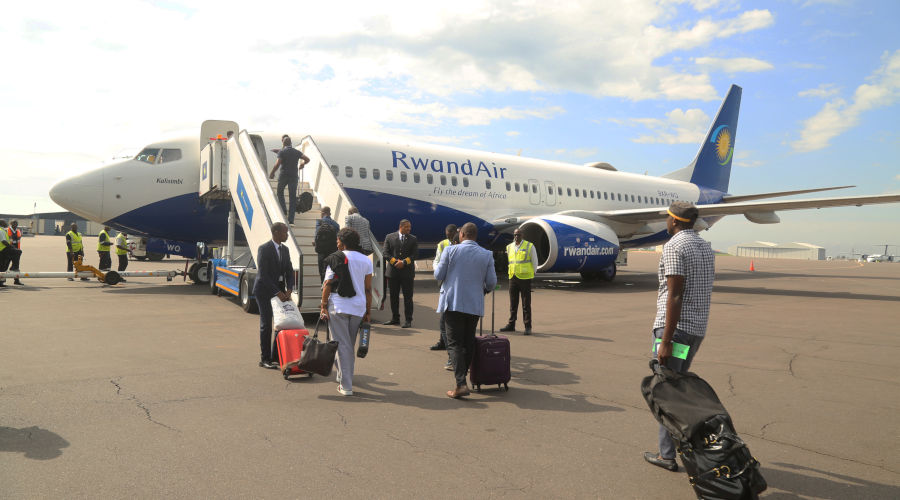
(769, 250)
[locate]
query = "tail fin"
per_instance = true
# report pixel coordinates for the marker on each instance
(711, 167)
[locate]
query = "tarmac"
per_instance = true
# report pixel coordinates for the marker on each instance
(151, 389)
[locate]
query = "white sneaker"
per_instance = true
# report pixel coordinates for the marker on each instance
(344, 392)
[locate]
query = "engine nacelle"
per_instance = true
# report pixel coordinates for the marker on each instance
(571, 244)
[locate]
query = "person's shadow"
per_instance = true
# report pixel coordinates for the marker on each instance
(34, 442)
(816, 484)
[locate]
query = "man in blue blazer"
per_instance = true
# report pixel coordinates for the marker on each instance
(274, 278)
(467, 273)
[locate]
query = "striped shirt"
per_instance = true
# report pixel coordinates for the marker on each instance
(688, 255)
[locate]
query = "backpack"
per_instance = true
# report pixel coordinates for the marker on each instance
(326, 239)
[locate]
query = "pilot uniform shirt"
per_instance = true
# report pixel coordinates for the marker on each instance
(688, 255)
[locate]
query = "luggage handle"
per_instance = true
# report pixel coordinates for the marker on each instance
(327, 331)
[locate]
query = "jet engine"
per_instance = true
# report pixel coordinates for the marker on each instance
(573, 244)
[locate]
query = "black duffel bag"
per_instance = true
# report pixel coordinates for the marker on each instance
(718, 463)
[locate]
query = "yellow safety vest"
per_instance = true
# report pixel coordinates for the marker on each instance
(441, 247)
(4, 241)
(121, 240)
(76, 241)
(520, 264)
(100, 246)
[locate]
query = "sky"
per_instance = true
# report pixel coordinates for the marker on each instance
(635, 84)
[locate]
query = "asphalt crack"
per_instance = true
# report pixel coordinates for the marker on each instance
(140, 404)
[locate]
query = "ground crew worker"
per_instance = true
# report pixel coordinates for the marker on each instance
(8, 253)
(15, 240)
(103, 245)
(522, 257)
(74, 248)
(452, 237)
(122, 251)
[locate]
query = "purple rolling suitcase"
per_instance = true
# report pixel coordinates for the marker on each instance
(490, 365)
(491, 362)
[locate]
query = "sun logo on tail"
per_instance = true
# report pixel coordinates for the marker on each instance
(721, 137)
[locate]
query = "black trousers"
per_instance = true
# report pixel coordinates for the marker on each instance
(322, 266)
(123, 262)
(9, 258)
(72, 257)
(105, 261)
(520, 287)
(461, 329)
(265, 328)
(404, 283)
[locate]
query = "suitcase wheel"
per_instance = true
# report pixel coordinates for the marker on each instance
(285, 373)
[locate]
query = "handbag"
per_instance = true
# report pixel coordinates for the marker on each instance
(318, 357)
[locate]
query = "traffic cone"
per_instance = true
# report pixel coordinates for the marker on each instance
(751, 267)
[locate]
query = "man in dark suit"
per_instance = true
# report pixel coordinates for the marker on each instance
(400, 251)
(274, 278)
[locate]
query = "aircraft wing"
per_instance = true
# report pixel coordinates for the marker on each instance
(762, 212)
(748, 197)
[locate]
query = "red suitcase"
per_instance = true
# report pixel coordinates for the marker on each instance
(289, 345)
(490, 365)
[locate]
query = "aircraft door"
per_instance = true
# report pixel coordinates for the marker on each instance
(534, 192)
(550, 197)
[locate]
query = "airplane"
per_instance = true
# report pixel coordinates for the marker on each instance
(579, 217)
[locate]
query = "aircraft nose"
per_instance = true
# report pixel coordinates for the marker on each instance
(81, 194)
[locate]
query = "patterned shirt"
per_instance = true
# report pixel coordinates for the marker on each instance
(361, 225)
(688, 255)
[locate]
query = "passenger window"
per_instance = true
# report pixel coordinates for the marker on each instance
(443, 180)
(516, 185)
(569, 191)
(168, 155)
(416, 177)
(148, 155)
(487, 183)
(559, 191)
(402, 176)
(465, 182)
(348, 171)
(534, 188)
(619, 196)
(362, 172)
(429, 178)
(584, 193)
(576, 193)
(632, 198)
(334, 170)
(453, 180)
(389, 175)
(604, 195)
(508, 186)
(376, 174)
(549, 189)
(592, 195)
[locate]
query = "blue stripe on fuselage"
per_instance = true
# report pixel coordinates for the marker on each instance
(183, 218)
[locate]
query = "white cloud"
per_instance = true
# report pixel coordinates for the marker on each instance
(742, 159)
(513, 133)
(822, 91)
(679, 127)
(734, 65)
(840, 115)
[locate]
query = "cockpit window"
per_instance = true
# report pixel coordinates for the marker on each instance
(170, 155)
(148, 155)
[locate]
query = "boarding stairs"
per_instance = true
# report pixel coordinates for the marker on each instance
(237, 165)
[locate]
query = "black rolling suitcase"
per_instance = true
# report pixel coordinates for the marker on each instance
(718, 463)
(304, 202)
(491, 363)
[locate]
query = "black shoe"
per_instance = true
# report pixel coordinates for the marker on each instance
(2, 285)
(392, 322)
(268, 364)
(665, 463)
(406, 324)
(438, 347)
(527, 330)
(85, 279)
(17, 282)
(508, 328)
